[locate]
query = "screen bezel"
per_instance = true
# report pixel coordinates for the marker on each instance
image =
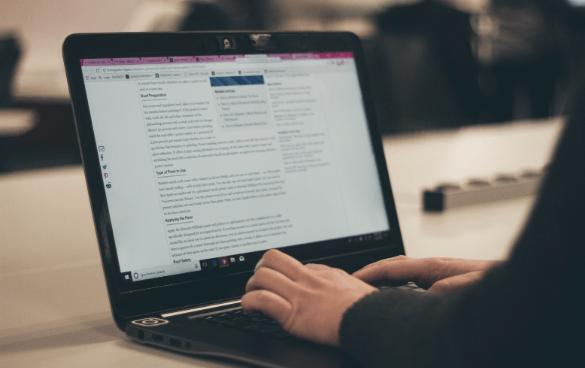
(171, 292)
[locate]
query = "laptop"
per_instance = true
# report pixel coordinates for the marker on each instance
(203, 150)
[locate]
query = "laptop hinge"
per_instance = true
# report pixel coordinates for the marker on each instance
(199, 309)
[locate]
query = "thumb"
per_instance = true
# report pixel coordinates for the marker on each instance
(397, 269)
(456, 282)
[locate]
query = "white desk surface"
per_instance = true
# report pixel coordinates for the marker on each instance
(54, 305)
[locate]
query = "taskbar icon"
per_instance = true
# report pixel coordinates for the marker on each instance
(219, 262)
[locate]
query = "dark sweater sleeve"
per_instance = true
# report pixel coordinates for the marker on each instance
(528, 312)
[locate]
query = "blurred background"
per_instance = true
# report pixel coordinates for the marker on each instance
(440, 64)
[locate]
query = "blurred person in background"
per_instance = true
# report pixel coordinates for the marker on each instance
(521, 57)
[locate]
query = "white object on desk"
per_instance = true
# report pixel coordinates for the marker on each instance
(54, 304)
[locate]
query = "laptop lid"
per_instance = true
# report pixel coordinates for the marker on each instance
(203, 150)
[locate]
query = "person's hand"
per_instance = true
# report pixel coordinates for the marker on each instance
(308, 301)
(435, 274)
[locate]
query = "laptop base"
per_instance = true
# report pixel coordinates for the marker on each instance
(201, 339)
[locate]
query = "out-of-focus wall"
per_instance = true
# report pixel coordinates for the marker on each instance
(43, 25)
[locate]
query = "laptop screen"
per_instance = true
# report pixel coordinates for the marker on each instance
(205, 159)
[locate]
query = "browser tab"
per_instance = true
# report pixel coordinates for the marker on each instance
(256, 59)
(96, 62)
(155, 60)
(126, 61)
(181, 59)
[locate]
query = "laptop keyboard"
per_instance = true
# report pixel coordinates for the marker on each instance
(258, 323)
(409, 286)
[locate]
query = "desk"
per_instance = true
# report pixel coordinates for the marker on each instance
(476, 232)
(55, 310)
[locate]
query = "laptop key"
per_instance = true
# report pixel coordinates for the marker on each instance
(258, 317)
(281, 335)
(269, 329)
(258, 323)
(240, 323)
(213, 320)
(253, 327)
